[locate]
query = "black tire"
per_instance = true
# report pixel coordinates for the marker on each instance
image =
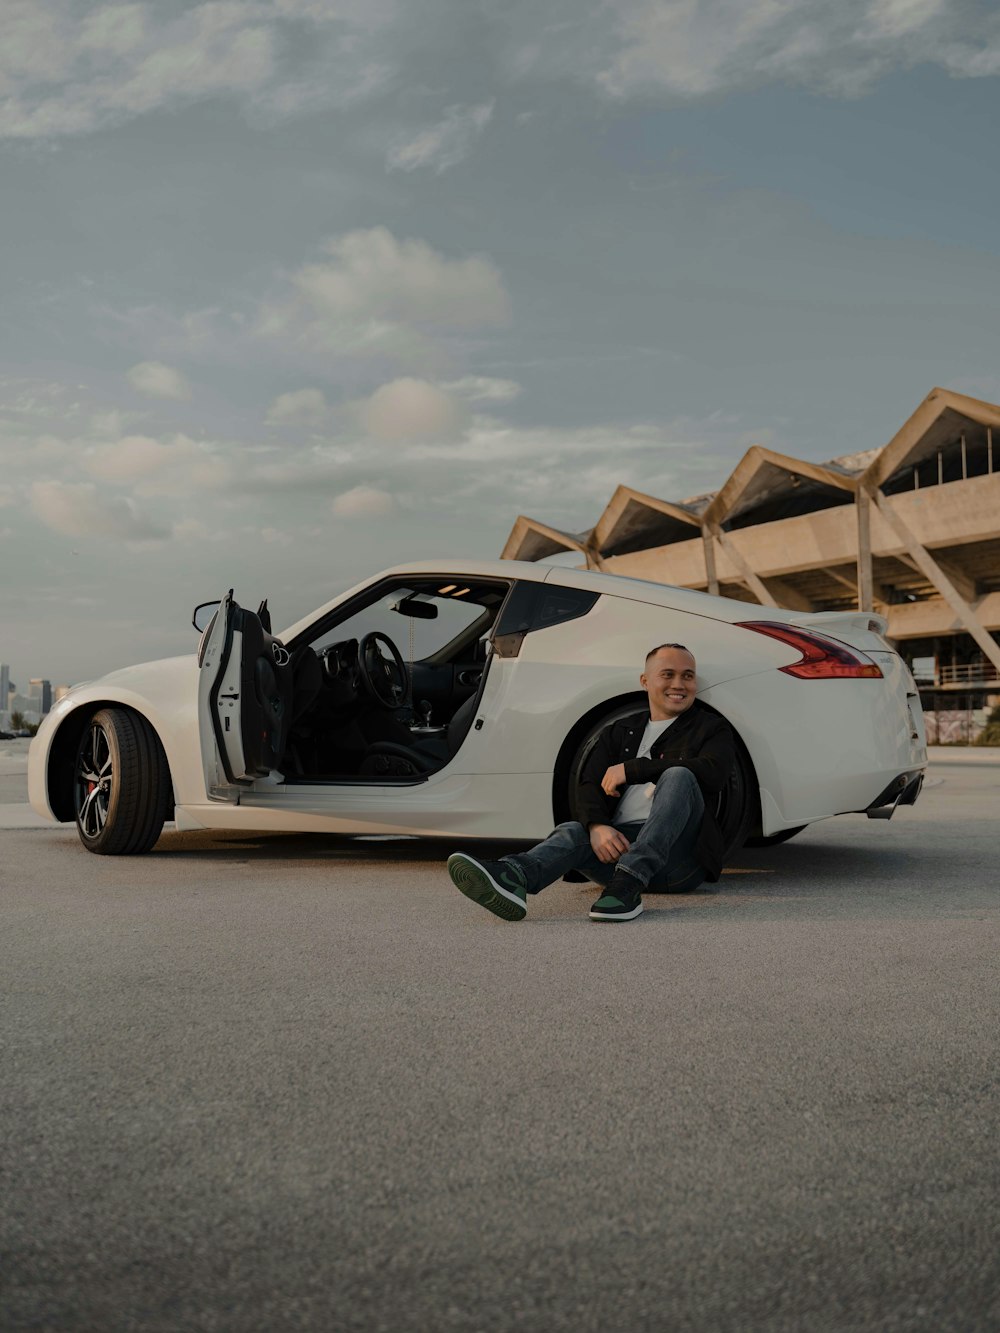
(737, 803)
(772, 839)
(121, 784)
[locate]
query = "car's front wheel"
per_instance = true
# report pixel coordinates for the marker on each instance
(737, 803)
(121, 784)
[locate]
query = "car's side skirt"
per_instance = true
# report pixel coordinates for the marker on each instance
(505, 805)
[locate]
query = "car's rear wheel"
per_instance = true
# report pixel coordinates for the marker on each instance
(737, 803)
(121, 784)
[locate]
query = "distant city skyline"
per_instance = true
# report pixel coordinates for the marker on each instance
(36, 700)
(296, 292)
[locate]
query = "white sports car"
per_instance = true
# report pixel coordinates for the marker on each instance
(477, 722)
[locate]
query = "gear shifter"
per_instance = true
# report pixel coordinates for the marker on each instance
(424, 707)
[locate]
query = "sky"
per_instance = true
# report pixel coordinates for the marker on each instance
(295, 290)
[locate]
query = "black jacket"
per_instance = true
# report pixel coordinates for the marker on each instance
(699, 740)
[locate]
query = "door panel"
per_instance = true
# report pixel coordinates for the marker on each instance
(244, 699)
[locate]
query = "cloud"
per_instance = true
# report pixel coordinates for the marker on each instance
(81, 510)
(483, 389)
(117, 62)
(378, 295)
(444, 144)
(411, 409)
(275, 537)
(29, 399)
(65, 72)
(566, 476)
(115, 30)
(157, 467)
(191, 530)
(898, 18)
(682, 49)
(109, 422)
(689, 48)
(305, 407)
(159, 381)
(372, 275)
(73, 68)
(363, 502)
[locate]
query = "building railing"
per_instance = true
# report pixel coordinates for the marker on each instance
(968, 673)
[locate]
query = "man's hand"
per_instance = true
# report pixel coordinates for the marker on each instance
(607, 842)
(613, 779)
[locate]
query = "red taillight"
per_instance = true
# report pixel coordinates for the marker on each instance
(822, 658)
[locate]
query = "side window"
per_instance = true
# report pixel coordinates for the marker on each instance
(416, 637)
(559, 604)
(534, 606)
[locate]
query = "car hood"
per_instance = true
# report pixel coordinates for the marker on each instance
(158, 669)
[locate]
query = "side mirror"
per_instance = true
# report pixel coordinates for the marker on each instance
(203, 613)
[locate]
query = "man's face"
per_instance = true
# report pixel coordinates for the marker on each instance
(669, 680)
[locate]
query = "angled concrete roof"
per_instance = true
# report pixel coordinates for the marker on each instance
(633, 520)
(531, 540)
(936, 422)
(762, 475)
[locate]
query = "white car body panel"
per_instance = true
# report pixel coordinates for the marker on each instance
(819, 747)
(483, 805)
(862, 729)
(165, 692)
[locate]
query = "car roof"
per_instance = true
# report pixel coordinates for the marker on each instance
(613, 585)
(727, 609)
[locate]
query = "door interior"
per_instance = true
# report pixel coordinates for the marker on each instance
(245, 693)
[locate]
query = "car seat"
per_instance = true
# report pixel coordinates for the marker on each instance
(392, 759)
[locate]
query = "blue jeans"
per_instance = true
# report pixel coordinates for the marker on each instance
(661, 853)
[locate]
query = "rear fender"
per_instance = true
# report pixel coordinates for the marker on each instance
(564, 760)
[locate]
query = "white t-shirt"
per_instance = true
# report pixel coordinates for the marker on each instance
(636, 799)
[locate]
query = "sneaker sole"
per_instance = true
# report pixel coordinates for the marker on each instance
(480, 887)
(616, 916)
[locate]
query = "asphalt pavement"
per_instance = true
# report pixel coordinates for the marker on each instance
(268, 1083)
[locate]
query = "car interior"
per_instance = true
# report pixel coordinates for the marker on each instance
(388, 689)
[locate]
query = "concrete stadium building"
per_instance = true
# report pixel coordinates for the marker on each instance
(910, 530)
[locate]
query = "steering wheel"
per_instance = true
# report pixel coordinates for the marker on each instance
(388, 682)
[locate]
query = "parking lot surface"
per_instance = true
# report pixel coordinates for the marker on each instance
(268, 1083)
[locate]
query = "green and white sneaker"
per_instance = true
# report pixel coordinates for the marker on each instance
(620, 901)
(499, 886)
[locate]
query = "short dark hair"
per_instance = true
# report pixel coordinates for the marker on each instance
(682, 646)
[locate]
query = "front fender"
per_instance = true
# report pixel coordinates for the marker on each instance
(164, 693)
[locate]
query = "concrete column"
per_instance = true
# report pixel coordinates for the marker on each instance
(866, 591)
(711, 578)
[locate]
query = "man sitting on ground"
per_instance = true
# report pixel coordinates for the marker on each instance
(660, 834)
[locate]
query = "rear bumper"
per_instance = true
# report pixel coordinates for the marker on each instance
(823, 748)
(902, 790)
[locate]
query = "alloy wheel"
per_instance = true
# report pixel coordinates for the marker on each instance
(94, 777)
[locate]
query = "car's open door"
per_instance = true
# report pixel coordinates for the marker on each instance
(244, 699)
